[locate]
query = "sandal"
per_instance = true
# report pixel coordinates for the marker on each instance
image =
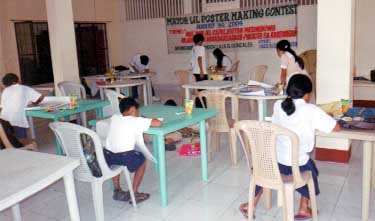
(140, 197)
(244, 210)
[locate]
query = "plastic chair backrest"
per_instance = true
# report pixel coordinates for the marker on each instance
(70, 137)
(258, 73)
(68, 88)
(182, 77)
(113, 98)
(259, 139)
(216, 99)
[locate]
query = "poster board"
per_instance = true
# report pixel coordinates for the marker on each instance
(250, 29)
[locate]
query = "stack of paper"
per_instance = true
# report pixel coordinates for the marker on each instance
(261, 84)
(51, 102)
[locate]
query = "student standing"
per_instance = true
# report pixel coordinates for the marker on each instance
(198, 58)
(290, 62)
(141, 63)
(298, 115)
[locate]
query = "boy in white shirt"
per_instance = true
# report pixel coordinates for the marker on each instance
(303, 118)
(141, 63)
(198, 58)
(14, 99)
(121, 140)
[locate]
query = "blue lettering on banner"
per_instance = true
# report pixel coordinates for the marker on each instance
(206, 26)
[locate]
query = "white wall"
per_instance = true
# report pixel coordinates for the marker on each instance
(365, 37)
(149, 37)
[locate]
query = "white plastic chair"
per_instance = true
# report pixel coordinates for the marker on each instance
(69, 135)
(113, 98)
(259, 139)
(68, 88)
(216, 99)
(258, 74)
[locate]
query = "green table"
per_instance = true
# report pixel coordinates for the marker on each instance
(83, 106)
(173, 122)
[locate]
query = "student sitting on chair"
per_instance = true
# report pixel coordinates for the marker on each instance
(14, 99)
(120, 143)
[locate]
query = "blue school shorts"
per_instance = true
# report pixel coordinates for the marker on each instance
(304, 191)
(131, 159)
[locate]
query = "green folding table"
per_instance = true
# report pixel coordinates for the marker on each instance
(173, 120)
(83, 106)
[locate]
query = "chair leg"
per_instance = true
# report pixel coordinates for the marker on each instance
(289, 202)
(250, 210)
(218, 142)
(97, 195)
(209, 144)
(130, 187)
(16, 211)
(233, 146)
(314, 206)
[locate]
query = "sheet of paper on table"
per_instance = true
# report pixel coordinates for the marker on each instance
(253, 93)
(51, 101)
(257, 83)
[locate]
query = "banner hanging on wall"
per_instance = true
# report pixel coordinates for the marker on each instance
(242, 29)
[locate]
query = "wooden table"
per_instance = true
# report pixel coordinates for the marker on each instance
(173, 122)
(83, 106)
(368, 141)
(24, 173)
(118, 85)
(208, 85)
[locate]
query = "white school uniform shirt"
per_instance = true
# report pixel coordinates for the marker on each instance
(136, 62)
(124, 132)
(14, 100)
(304, 121)
(198, 51)
(292, 67)
(227, 63)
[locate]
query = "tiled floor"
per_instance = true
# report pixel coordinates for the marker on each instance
(191, 199)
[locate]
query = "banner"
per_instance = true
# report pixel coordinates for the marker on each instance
(242, 29)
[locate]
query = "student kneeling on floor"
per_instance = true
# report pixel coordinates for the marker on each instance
(123, 132)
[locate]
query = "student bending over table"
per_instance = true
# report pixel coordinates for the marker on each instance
(123, 132)
(14, 99)
(297, 115)
(223, 63)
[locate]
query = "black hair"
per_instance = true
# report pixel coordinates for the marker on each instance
(198, 38)
(10, 79)
(144, 59)
(298, 86)
(219, 55)
(284, 45)
(170, 102)
(126, 103)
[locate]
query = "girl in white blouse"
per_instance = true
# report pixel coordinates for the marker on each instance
(298, 115)
(223, 61)
(291, 63)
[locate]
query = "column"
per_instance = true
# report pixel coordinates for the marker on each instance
(335, 61)
(62, 41)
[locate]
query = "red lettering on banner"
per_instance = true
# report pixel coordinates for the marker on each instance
(284, 34)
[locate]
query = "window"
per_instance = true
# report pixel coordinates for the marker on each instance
(35, 55)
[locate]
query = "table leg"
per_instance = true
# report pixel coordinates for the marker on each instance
(83, 119)
(202, 134)
(101, 93)
(149, 90)
(144, 95)
(99, 113)
(155, 150)
(32, 129)
(162, 170)
(117, 90)
(187, 94)
(71, 196)
(16, 211)
(265, 112)
(366, 179)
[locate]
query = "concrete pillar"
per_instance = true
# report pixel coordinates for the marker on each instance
(335, 62)
(62, 41)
